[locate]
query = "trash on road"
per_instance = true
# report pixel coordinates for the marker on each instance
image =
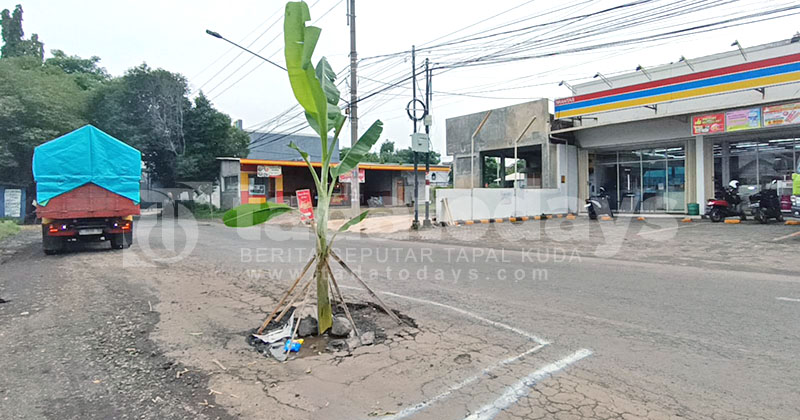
(278, 334)
(293, 345)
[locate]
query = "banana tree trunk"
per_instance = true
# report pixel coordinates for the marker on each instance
(324, 311)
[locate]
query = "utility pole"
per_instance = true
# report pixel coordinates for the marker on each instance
(415, 223)
(355, 195)
(427, 122)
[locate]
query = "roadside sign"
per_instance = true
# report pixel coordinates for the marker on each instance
(305, 205)
(13, 203)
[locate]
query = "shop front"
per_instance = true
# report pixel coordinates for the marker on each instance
(659, 141)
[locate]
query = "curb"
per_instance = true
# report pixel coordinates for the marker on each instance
(513, 220)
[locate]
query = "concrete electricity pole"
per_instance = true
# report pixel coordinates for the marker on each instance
(354, 185)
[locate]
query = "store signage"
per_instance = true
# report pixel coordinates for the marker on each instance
(743, 119)
(708, 124)
(778, 115)
(345, 178)
(305, 205)
(268, 171)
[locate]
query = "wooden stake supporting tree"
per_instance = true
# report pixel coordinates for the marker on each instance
(315, 90)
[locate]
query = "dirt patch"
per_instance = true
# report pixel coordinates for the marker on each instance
(373, 324)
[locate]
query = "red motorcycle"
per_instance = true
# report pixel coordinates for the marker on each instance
(729, 205)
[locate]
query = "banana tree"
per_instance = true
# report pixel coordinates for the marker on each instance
(315, 90)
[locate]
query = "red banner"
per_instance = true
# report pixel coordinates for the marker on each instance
(708, 124)
(305, 205)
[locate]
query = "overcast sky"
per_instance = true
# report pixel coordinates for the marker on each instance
(170, 35)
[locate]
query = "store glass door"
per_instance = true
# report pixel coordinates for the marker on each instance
(630, 186)
(654, 185)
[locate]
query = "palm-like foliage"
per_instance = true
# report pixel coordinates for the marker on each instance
(315, 90)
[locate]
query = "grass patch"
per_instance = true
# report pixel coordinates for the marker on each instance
(203, 211)
(8, 229)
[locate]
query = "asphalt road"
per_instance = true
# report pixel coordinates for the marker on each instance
(623, 338)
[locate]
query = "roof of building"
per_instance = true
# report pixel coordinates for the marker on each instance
(275, 146)
(369, 166)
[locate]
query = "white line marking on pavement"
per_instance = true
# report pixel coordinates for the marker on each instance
(536, 339)
(408, 411)
(521, 388)
(788, 299)
(663, 230)
(791, 235)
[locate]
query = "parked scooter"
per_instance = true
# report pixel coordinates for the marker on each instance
(598, 204)
(729, 205)
(766, 204)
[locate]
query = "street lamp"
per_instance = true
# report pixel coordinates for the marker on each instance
(217, 35)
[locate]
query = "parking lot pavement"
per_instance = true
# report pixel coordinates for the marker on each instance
(748, 246)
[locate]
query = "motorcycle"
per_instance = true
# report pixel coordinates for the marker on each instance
(598, 203)
(765, 205)
(729, 205)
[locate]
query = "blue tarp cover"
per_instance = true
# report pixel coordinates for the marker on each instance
(83, 156)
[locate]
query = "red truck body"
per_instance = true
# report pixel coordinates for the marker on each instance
(88, 201)
(87, 213)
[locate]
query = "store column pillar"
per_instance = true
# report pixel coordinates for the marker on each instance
(704, 171)
(726, 163)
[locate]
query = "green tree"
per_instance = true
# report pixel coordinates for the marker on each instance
(87, 71)
(388, 154)
(13, 43)
(36, 105)
(146, 108)
(209, 134)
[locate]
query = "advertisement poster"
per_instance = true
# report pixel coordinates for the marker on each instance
(785, 114)
(708, 124)
(13, 203)
(305, 205)
(743, 119)
(345, 178)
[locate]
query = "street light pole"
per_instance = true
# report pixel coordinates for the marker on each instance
(427, 221)
(217, 35)
(355, 195)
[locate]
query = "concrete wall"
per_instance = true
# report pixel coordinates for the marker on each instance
(635, 133)
(502, 129)
(490, 203)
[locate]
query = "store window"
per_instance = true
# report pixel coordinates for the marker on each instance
(646, 180)
(258, 185)
(755, 164)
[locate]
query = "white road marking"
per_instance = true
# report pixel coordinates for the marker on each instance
(791, 235)
(408, 411)
(516, 330)
(663, 230)
(786, 299)
(522, 387)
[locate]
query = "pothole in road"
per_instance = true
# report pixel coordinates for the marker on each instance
(374, 327)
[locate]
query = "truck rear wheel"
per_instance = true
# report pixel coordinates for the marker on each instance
(51, 244)
(121, 240)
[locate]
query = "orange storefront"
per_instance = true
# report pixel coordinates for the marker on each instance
(278, 180)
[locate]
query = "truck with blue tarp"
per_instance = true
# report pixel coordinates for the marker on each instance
(87, 189)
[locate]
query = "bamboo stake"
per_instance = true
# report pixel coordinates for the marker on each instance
(285, 296)
(341, 299)
(297, 325)
(308, 283)
(371, 292)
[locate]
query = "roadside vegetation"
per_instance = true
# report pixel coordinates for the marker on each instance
(8, 228)
(44, 96)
